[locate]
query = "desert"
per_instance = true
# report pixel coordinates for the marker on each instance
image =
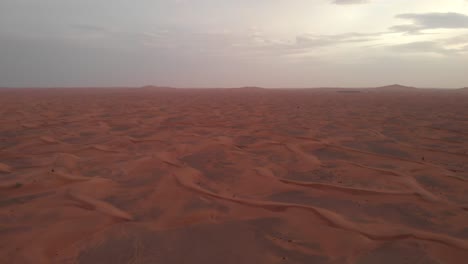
(249, 175)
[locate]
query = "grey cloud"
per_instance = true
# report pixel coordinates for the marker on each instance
(66, 62)
(461, 39)
(191, 41)
(309, 42)
(223, 43)
(349, 2)
(465, 49)
(444, 46)
(410, 29)
(93, 28)
(325, 40)
(421, 22)
(423, 47)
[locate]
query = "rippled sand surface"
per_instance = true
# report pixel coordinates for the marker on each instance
(233, 176)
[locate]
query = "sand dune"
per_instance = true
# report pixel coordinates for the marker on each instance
(244, 175)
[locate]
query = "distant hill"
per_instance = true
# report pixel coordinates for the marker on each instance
(153, 87)
(250, 88)
(395, 88)
(349, 91)
(464, 90)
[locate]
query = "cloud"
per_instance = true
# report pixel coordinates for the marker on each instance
(246, 43)
(309, 40)
(349, 2)
(86, 32)
(420, 47)
(87, 27)
(457, 45)
(421, 22)
(457, 40)
(464, 49)
(303, 43)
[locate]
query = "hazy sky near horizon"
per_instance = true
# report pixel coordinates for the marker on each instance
(231, 43)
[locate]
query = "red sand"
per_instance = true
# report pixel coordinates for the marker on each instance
(233, 176)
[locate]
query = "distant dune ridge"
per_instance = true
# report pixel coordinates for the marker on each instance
(251, 88)
(154, 87)
(349, 91)
(339, 89)
(390, 88)
(396, 88)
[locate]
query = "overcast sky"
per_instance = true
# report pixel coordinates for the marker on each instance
(231, 43)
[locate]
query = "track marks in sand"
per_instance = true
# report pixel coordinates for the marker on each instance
(49, 140)
(406, 180)
(309, 159)
(143, 140)
(70, 177)
(349, 190)
(458, 132)
(414, 188)
(333, 187)
(169, 158)
(461, 154)
(30, 125)
(90, 203)
(385, 171)
(411, 183)
(186, 177)
(102, 148)
(325, 143)
(387, 157)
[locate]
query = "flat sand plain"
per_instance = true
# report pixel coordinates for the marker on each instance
(248, 175)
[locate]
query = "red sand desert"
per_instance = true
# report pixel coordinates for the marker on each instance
(233, 176)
